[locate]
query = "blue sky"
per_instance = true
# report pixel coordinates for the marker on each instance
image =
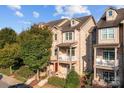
(21, 17)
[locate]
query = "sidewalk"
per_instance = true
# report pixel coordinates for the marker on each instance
(10, 80)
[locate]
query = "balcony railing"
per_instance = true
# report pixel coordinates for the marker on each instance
(107, 63)
(67, 58)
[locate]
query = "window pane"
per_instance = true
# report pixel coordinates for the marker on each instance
(110, 13)
(104, 33)
(73, 51)
(66, 36)
(109, 54)
(70, 35)
(55, 51)
(105, 55)
(110, 33)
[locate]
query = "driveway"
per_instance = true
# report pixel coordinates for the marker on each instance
(3, 84)
(6, 81)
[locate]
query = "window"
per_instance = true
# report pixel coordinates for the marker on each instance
(110, 13)
(68, 36)
(108, 76)
(55, 36)
(73, 52)
(107, 33)
(55, 52)
(108, 54)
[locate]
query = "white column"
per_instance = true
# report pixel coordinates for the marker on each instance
(58, 57)
(70, 57)
(115, 71)
(94, 63)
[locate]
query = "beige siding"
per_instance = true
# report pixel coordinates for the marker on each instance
(114, 15)
(83, 50)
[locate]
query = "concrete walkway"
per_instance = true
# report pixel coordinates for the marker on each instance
(9, 80)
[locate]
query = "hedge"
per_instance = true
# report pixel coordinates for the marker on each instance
(56, 81)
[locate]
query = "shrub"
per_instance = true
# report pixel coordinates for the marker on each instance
(56, 81)
(24, 72)
(73, 80)
(5, 71)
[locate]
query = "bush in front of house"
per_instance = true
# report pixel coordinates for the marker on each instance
(72, 80)
(56, 81)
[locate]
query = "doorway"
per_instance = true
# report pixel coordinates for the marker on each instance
(56, 67)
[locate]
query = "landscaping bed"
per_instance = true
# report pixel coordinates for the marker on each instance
(56, 81)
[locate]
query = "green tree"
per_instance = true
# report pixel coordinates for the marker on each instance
(8, 54)
(72, 80)
(35, 47)
(7, 35)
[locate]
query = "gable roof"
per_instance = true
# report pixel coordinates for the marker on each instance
(102, 23)
(55, 22)
(67, 26)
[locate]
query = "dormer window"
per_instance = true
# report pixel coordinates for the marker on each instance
(110, 13)
(74, 23)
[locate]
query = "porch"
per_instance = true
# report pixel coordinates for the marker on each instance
(106, 63)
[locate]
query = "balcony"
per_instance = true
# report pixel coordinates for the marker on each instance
(107, 63)
(67, 59)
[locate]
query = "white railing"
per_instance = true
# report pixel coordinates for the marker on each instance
(107, 63)
(67, 58)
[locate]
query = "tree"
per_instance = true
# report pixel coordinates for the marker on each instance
(35, 47)
(7, 35)
(72, 80)
(8, 54)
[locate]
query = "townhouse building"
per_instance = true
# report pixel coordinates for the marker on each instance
(108, 50)
(72, 45)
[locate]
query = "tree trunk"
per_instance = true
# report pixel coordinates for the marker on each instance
(38, 77)
(10, 70)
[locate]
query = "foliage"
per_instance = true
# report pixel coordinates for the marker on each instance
(5, 71)
(56, 81)
(24, 72)
(7, 36)
(89, 78)
(8, 55)
(72, 80)
(86, 80)
(35, 47)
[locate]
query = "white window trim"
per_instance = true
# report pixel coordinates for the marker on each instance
(68, 36)
(108, 38)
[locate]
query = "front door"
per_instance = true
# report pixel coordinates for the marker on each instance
(56, 67)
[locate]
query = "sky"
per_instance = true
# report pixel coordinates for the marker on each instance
(20, 18)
